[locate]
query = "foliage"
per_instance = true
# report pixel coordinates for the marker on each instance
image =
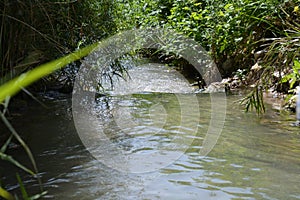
(3, 156)
(10, 88)
(33, 32)
(15, 85)
(241, 74)
(225, 28)
(282, 55)
(25, 195)
(293, 76)
(280, 70)
(6, 195)
(242, 32)
(136, 14)
(254, 100)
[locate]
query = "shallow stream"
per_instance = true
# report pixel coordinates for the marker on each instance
(157, 137)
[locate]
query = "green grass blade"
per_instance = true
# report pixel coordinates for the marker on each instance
(34, 98)
(22, 188)
(5, 194)
(8, 158)
(5, 145)
(15, 85)
(37, 196)
(5, 104)
(20, 140)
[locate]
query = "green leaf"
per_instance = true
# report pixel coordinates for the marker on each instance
(5, 194)
(37, 196)
(20, 140)
(22, 188)
(296, 67)
(226, 7)
(8, 158)
(15, 85)
(286, 78)
(293, 81)
(5, 145)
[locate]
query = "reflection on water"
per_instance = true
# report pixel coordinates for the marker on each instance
(253, 159)
(139, 134)
(149, 77)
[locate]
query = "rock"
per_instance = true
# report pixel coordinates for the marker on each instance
(216, 87)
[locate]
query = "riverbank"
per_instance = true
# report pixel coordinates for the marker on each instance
(254, 42)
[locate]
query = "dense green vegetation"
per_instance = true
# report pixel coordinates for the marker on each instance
(237, 34)
(34, 32)
(228, 29)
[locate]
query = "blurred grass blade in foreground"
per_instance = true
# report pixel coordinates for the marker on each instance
(13, 86)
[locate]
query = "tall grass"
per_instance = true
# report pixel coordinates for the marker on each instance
(13, 86)
(279, 69)
(35, 32)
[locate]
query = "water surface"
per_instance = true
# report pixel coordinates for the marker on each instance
(254, 157)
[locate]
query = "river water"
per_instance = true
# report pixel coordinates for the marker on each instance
(158, 134)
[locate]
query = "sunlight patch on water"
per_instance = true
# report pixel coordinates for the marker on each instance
(150, 78)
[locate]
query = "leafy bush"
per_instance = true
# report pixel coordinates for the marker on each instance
(237, 34)
(228, 29)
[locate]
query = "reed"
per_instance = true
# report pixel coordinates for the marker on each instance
(32, 35)
(34, 32)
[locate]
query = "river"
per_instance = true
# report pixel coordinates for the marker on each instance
(157, 135)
